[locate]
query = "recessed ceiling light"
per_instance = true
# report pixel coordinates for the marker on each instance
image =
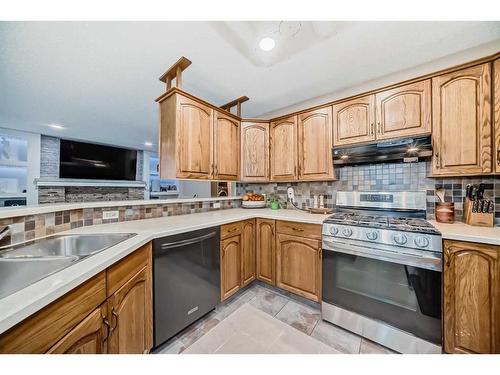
(267, 44)
(148, 144)
(56, 126)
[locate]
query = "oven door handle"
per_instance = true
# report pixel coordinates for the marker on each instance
(427, 261)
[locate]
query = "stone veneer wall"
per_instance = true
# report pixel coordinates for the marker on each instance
(24, 228)
(384, 177)
(49, 167)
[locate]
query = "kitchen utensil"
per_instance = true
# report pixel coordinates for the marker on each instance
(468, 190)
(480, 192)
(440, 192)
(491, 207)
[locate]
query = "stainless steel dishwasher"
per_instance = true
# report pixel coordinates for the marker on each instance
(186, 280)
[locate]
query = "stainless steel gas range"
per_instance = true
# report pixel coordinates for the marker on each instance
(382, 265)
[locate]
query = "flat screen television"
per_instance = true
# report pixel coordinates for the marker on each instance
(91, 161)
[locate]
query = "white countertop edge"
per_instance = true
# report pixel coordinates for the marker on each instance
(8, 212)
(20, 305)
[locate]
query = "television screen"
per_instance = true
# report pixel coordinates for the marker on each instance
(91, 161)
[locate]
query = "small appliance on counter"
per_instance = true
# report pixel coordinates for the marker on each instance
(478, 211)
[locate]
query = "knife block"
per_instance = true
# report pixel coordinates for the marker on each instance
(478, 219)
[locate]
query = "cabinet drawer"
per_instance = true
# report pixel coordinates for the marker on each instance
(119, 273)
(42, 330)
(299, 229)
(228, 230)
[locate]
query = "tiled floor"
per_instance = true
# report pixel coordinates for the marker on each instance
(263, 320)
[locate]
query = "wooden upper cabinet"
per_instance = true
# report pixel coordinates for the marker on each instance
(315, 145)
(227, 147)
(230, 266)
(471, 315)
(353, 121)
(461, 103)
(298, 265)
(496, 128)
(255, 151)
(266, 250)
(186, 138)
(248, 256)
(283, 148)
(88, 337)
(404, 111)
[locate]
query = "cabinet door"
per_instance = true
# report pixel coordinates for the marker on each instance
(248, 257)
(471, 316)
(255, 152)
(194, 140)
(131, 316)
(265, 251)
(227, 147)
(298, 265)
(284, 149)
(88, 337)
(496, 128)
(315, 145)
(461, 105)
(230, 266)
(404, 111)
(353, 121)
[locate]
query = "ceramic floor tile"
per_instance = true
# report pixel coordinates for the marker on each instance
(268, 301)
(301, 317)
(175, 346)
(192, 334)
(370, 347)
(214, 339)
(336, 337)
(240, 343)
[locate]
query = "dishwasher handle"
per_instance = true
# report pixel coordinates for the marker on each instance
(189, 241)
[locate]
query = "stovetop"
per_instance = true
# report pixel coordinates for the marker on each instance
(383, 222)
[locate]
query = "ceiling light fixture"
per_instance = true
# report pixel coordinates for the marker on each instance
(56, 126)
(267, 44)
(148, 144)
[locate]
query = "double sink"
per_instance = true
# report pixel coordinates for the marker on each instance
(22, 265)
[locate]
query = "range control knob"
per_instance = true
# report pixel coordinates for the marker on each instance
(372, 236)
(347, 232)
(400, 238)
(334, 230)
(421, 241)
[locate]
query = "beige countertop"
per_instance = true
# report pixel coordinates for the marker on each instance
(18, 306)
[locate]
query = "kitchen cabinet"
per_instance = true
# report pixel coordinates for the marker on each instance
(404, 111)
(353, 121)
(496, 108)
(298, 259)
(42, 330)
(230, 259)
(227, 147)
(283, 149)
(471, 308)
(255, 151)
(315, 145)
(461, 105)
(266, 251)
(186, 138)
(248, 256)
(88, 337)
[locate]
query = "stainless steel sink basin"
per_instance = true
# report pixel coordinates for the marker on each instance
(22, 265)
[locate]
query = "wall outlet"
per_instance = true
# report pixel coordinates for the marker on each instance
(108, 215)
(290, 194)
(216, 204)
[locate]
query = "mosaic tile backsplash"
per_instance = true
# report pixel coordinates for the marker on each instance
(384, 177)
(24, 228)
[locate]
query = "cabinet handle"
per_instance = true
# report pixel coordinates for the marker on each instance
(498, 156)
(115, 315)
(447, 256)
(232, 230)
(372, 130)
(300, 169)
(436, 155)
(295, 170)
(298, 229)
(320, 253)
(216, 172)
(108, 328)
(379, 128)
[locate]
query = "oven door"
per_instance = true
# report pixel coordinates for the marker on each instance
(402, 290)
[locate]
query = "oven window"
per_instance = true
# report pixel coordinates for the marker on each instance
(405, 297)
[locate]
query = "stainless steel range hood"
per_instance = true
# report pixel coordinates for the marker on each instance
(409, 149)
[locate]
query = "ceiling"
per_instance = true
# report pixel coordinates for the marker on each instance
(99, 79)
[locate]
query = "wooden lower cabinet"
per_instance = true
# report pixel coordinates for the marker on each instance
(298, 265)
(248, 256)
(88, 337)
(110, 313)
(266, 251)
(471, 309)
(230, 266)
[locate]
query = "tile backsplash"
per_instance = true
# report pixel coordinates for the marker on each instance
(25, 228)
(384, 177)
